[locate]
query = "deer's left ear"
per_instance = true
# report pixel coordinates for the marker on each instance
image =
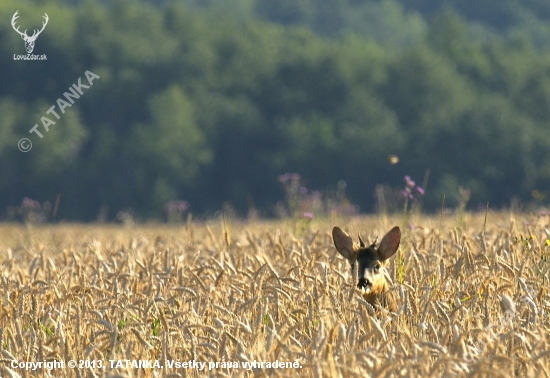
(343, 244)
(389, 244)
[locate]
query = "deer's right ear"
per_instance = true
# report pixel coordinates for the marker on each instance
(343, 243)
(389, 243)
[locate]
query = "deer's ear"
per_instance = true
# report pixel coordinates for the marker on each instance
(389, 244)
(343, 243)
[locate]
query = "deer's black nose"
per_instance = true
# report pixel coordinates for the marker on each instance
(364, 283)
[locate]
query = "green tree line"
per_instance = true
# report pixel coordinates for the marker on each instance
(210, 106)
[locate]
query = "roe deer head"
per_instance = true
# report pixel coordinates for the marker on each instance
(371, 263)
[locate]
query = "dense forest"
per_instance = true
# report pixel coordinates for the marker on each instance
(211, 101)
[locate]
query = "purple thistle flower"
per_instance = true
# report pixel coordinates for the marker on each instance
(30, 204)
(404, 193)
(419, 190)
(408, 182)
(308, 215)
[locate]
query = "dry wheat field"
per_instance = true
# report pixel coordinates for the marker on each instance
(257, 299)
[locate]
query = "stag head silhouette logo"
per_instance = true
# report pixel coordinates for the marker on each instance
(29, 40)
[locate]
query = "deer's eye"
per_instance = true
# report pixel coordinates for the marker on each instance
(377, 267)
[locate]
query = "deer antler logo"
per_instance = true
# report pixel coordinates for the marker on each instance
(29, 40)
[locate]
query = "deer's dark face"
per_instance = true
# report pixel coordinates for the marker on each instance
(370, 261)
(370, 269)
